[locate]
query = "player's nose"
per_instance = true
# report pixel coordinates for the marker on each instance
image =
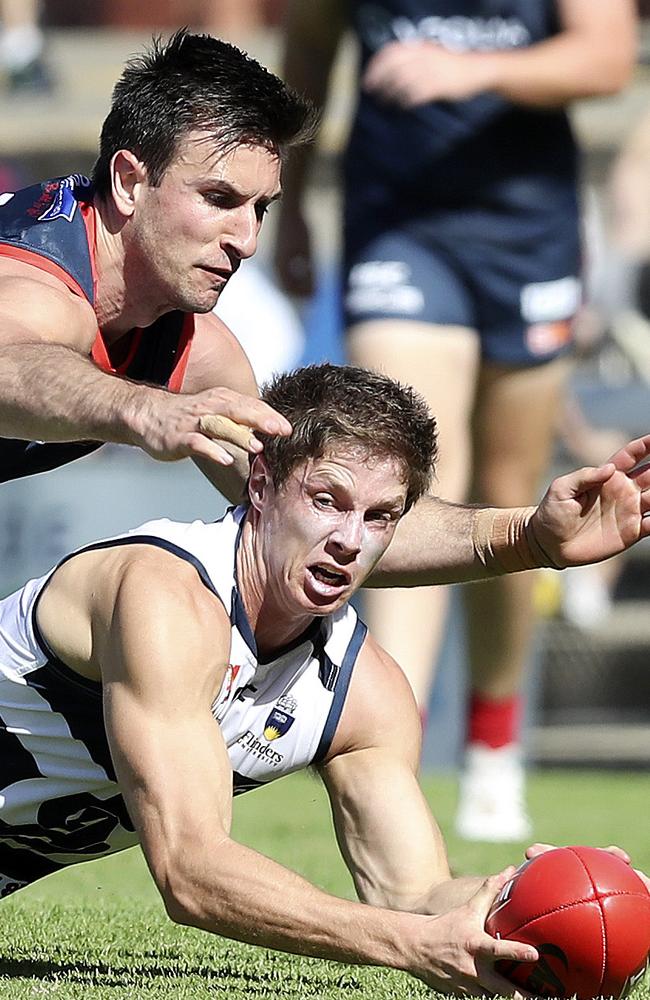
(243, 232)
(348, 533)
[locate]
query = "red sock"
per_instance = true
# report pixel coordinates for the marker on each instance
(495, 722)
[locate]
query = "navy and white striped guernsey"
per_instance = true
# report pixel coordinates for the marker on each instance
(59, 799)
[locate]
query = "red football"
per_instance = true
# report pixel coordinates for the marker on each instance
(588, 915)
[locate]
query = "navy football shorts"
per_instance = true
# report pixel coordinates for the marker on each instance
(517, 285)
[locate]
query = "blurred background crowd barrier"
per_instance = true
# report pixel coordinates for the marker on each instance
(590, 686)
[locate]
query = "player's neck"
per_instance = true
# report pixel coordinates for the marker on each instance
(271, 625)
(118, 310)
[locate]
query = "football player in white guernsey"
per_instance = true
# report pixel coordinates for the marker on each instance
(150, 676)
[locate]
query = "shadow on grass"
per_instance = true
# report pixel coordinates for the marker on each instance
(256, 983)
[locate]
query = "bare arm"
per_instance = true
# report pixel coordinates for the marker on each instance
(432, 544)
(217, 358)
(385, 829)
(585, 517)
(592, 55)
(313, 33)
(160, 677)
(377, 803)
(50, 390)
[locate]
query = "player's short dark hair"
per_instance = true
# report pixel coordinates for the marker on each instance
(197, 82)
(331, 405)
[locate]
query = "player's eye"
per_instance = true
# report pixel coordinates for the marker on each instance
(380, 516)
(221, 199)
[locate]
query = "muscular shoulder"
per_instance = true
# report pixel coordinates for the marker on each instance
(153, 585)
(217, 358)
(380, 709)
(133, 596)
(37, 306)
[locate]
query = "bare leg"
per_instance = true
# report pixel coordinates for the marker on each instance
(513, 427)
(442, 364)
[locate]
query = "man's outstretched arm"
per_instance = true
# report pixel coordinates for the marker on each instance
(160, 678)
(586, 516)
(50, 390)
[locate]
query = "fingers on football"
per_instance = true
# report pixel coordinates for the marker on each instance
(497, 949)
(644, 878)
(618, 852)
(483, 898)
(538, 848)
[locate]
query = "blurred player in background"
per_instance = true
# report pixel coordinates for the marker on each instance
(461, 277)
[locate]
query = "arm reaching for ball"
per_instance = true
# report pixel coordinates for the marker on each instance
(586, 516)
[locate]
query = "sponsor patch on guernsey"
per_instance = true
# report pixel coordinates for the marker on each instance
(279, 720)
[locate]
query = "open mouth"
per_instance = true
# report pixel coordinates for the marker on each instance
(329, 577)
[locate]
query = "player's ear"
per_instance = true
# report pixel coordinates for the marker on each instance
(260, 483)
(128, 174)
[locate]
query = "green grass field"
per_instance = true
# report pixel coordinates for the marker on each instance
(99, 932)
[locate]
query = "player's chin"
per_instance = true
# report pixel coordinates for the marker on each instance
(323, 600)
(324, 606)
(204, 303)
(200, 299)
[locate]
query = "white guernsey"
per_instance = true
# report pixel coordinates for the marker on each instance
(61, 801)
